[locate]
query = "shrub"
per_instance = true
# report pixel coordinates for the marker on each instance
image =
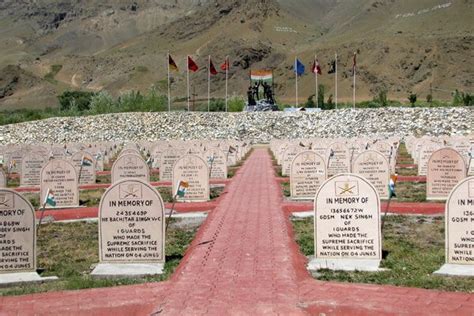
(329, 105)
(310, 103)
(382, 98)
(462, 98)
(321, 91)
(236, 104)
(80, 99)
(102, 103)
(131, 101)
(412, 99)
(429, 98)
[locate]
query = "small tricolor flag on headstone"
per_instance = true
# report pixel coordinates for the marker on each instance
(391, 186)
(49, 199)
(86, 161)
(182, 188)
(11, 165)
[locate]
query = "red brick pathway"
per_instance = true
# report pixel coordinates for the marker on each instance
(244, 261)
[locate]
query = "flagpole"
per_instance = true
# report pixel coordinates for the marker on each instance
(187, 79)
(169, 81)
(226, 81)
(296, 81)
(335, 92)
(316, 80)
(42, 211)
(209, 84)
(354, 84)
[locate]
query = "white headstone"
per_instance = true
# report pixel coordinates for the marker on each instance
(31, 169)
(308, 172)
(17, 233)
(193, 170)
(217, 163)
(60, 178)
(459, 230)
(339, 158)
(347, 225)
(446, 167)
(130, 166)
(373, 166)
(131, 230)
(3, 179)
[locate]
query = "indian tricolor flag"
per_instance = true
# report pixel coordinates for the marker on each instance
(86, 161)
(49, 198)
(261, 75)
(182, 188)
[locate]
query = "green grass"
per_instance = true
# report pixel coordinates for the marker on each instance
(414, 249)
(69, 251)
(50, 76)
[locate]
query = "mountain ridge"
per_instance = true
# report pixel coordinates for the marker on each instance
(122, 45)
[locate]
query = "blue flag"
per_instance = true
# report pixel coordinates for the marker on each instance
(299, 67)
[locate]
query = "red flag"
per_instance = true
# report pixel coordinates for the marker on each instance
(316, 67)
(192, 65)
(212, 69)
(354, 62)
(225, 66)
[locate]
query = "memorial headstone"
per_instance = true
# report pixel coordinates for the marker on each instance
(84, 163)
(217, 163)
(424, 155)
(347, 225)
(3, 179)
(308, 172)
(288, 155)
(31, 169)
(130, 166)
(59, 178)
(459, 230)
(131, 230)
(446, 167)
(192, 170)
(168, 159)
(373, 166)
(18, 240)
(339, 158)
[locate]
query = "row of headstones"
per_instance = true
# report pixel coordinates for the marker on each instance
(31, 160)
(27, 160)
(131, 217)
(421, 149)
(308, 169)
(131, 231)
(132, 228)
(348, 232)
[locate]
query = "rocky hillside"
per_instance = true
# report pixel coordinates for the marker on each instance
(121, 45)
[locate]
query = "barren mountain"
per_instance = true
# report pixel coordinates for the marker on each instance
(121, 45)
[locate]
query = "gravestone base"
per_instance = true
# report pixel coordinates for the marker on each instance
(10, 279)
(450, 269)
(126, 270)
(371, 265)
